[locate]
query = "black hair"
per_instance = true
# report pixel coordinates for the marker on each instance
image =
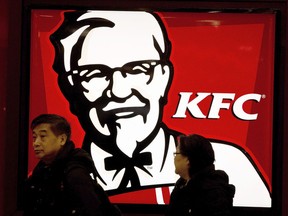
(199, 151)
(59, 125)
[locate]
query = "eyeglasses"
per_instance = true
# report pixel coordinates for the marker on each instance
(87, 72)
(176, 153)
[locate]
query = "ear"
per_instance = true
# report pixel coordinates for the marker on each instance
(63, 139)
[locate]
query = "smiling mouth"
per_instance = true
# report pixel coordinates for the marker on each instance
(126, 112)
(123, 114)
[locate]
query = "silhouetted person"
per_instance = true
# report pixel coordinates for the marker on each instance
(201, 190)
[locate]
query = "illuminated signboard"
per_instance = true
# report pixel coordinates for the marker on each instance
(130, 82)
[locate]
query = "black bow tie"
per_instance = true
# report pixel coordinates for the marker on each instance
(123, 161)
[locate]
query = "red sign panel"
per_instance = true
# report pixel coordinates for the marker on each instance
(129, 82)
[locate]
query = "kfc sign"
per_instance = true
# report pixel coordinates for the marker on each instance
(219, 101)
(131, 82)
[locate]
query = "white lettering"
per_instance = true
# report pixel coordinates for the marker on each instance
(238, 106)
(218, 103)
(192, 106)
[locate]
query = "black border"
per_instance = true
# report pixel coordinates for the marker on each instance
(243, 6)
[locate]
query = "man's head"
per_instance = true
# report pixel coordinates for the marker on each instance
(50, 133)
(115, 71)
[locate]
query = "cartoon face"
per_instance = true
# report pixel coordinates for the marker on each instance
(120, 71)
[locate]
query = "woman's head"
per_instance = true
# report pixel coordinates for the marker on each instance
(198, 151)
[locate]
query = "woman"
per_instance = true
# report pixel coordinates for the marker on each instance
(200, 190)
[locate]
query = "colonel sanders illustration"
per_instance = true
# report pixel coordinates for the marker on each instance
(114, 69)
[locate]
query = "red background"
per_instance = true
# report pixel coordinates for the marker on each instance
(217, 53)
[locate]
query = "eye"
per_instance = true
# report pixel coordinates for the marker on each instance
(144, 67)
(140, 69)
(42, 136)
(89, 72)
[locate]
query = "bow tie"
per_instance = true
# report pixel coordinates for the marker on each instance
(123, 161)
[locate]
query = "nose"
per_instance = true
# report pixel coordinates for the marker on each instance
(121, 85)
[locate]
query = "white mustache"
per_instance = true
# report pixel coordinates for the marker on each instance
(131, 102)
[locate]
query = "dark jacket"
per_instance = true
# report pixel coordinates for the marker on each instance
(207, 193)
(66, 187)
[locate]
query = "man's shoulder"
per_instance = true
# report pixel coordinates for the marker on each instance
(79, 155)
(79, 159)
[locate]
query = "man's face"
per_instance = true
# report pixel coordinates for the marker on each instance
(123, 80)
(46, 144)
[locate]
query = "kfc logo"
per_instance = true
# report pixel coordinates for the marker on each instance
(219, 102)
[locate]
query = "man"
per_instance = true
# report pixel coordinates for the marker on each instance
(115, 71)
(62, 182)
